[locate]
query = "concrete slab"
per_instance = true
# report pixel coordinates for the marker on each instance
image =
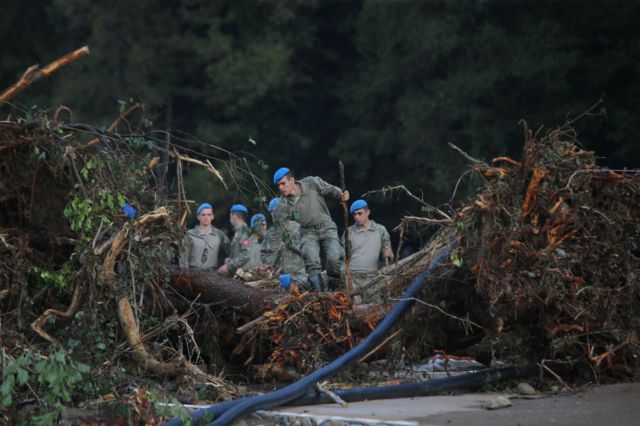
(602, 405)
(409, 411)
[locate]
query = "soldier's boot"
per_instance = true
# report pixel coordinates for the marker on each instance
(316, 282)
(333, 283)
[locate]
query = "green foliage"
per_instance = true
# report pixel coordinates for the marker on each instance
(59, 280)
(53, 379)
(455, 259)
(83, 213)
(176, 410)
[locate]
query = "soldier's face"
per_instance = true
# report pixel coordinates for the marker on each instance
(286, 184)
(361, 216)
(205, 218)
(236, 219)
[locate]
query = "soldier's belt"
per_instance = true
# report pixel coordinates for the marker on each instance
(317, 227)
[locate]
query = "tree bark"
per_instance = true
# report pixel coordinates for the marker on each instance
(211, 287)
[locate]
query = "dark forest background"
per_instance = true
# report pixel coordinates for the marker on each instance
(381, 85)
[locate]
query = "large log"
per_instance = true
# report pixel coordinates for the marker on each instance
(211, 287)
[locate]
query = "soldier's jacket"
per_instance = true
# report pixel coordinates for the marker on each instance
(255, 255)
(367, 246)
(281, 247)
(203, 249)
(309, 207)
(240, 248)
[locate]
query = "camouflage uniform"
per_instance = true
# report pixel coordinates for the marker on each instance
(202, 249)
(282, 246)
(367, 251)
(241, 249)
(255, 255)
(317, 230)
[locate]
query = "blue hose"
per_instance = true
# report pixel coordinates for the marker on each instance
(429, 387)
(232, 410)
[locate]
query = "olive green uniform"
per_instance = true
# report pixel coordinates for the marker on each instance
(367, 245)
(255, 255)
(317, 230)
(241, 249)
(282, 246)
(202, 249)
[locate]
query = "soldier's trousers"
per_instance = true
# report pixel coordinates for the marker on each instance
(325, 238)
(369, 291)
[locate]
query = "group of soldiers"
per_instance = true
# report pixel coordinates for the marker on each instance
(302, 237)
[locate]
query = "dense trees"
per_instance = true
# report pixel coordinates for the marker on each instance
(381, 85)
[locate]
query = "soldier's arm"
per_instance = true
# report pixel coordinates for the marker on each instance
(224, 243)
(292, 238)
(185, 251)
(343, 243)
(325, 189)
(243, 257)
(386, 243)
(268, 249)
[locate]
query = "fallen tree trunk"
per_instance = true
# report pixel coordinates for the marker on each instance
(211, 287)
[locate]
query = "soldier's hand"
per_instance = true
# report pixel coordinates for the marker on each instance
(387, 252)
(224, 269)
(345, 196)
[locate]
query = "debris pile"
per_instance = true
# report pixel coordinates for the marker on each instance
(546, 265)
(545, 268)
(303, 332)
(87, 240)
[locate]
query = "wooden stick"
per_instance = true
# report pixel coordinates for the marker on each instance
(321, 388)
(553, 373)
(248, 326)
(117, 121)
(34, 73)
(347, 246)
(207, 165)
(377, 348)
(467, 156)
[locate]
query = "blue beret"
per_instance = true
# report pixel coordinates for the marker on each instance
(279, 174)
(273, 204)
(357, 205)
(130, 211)
(239, 208)
(285, 280)
(255, 218)
(202, 207)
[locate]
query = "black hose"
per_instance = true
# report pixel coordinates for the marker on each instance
(429, 387)
(235, 409)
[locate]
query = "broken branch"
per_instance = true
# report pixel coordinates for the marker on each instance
(33, 73)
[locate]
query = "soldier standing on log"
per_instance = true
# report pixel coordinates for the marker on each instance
(319, 233)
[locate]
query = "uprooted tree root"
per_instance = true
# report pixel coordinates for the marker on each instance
(546, 266)
(75, 267)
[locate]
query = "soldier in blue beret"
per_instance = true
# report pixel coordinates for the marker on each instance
(203, 245)
(370, 247)
(241, 243)
(306, 198)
